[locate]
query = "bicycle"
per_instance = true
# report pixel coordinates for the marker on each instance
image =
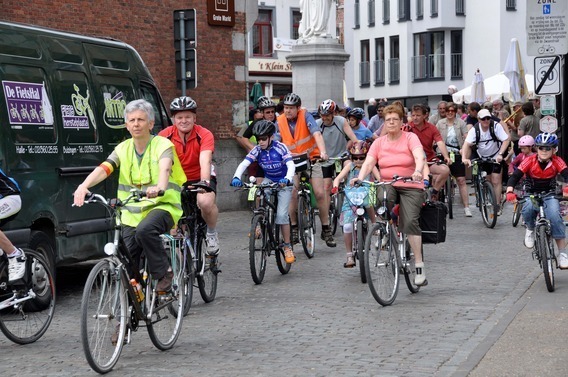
(264, 236)
(202, 267)
(27, 305)
(306, 214)
(336, 201)
(485, 200)
(356, 199)
(543, 249)
(388, 253)
(118, 296)
(518, 206)
(447, 191)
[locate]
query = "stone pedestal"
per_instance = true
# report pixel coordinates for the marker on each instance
(318, 71)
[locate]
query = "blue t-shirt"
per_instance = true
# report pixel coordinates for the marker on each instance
(272, 160)
(363, 133)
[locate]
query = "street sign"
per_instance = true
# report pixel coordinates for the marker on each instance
(548, 124)
(548, 105)
(546, 27)
(547, 75)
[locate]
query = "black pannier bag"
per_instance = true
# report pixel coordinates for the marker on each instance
(433, 222)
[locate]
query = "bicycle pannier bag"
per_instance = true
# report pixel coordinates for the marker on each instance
(433, 222)
(302, 162)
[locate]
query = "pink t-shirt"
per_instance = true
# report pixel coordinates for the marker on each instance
(396, 158)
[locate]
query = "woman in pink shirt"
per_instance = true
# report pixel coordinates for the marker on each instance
(400, 153)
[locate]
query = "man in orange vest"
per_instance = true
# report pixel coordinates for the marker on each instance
(298, 130)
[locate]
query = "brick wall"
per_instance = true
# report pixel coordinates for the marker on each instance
(147, 25)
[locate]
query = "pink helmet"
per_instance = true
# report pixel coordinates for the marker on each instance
(526, 141)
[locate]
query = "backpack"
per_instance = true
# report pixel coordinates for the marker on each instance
(491, 131)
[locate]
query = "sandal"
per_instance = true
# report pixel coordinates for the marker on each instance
(350, 262)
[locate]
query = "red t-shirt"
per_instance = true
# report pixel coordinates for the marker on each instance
(539, 179)
(428, 135)
(200, 139)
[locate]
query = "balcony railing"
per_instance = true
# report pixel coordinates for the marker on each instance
(386, 11)
(371, 12)
(511, 4)
(427, 67)
(460, 7)
(394, 71)
(379, 72)
(457, 68)
(364, 74)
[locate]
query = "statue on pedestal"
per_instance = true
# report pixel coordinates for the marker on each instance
(315, 15)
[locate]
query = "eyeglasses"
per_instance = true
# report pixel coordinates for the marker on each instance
(262, 138)
(450, 111)
(269, 111)
(358, 158)
(543, 148)
(392, 120)
(486, 118)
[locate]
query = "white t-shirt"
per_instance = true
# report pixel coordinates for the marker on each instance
(487, 147)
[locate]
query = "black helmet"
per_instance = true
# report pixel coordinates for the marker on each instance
(356, 112)
(292, 99)
(182, 104)
(265, 103)
(263, 128)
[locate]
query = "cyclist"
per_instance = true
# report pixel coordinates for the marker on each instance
(358, 153)
(298, 130)
(12, 259)
(363, 133)
(195, 145)
(147, 163)
(526, 144)
(540, 172)
(490, 144)
(276, 160)
(335, 131)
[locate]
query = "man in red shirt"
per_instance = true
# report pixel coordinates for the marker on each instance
(429, 135)
(195, 146)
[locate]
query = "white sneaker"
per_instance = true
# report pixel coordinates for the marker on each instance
(467, 212)
(563, 261)
(212, 243)
(529, 238)
(420, 278)
(16, 266)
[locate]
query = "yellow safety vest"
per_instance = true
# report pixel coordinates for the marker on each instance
(141, 176)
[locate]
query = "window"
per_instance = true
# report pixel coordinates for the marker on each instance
(394, 61)
(357, 15)
(262, 34)
(433, 8)
(419, 9)
(460, 7)
(511, 5)
(403, 10)
(296, 17)
(365, 65)
(457, 54)
(379, 62)
(428, 59)
(371, 12)
(386, 11)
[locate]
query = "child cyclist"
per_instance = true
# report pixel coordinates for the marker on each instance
(526, 144)
(276, 161)
(540, 172)
(358, 153)
(355, 116)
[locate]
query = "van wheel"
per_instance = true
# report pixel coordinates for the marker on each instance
(41, 242)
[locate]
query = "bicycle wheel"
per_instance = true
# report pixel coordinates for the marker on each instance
(361, 249)
(188, 277)
(381, 265)
(334, 213)
(164, 325)
(26, 323)
(517, 209)
(409, 269)
(306, 225)
(103, 314)
(488, 205)
(449, 189)
(207, 282)
(546, 251)
(258, 242)
(283, 267)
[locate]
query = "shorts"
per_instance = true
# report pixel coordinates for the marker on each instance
(317, 170)
(411, 201)
(457, 168)
(328, 171)
(490, 168)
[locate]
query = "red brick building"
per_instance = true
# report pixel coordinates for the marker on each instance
(148, 26)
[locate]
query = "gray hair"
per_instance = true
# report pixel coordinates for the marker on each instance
(140, 104)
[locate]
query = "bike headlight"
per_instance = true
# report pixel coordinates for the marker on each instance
(382, 210)
(360, 211)
(110, 249)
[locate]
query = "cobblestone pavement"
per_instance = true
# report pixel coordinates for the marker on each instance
(319, 320)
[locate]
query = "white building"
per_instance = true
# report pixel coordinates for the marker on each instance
(414, 49)
(270, 40)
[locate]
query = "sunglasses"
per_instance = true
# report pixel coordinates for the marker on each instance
(486, 118)
(269, 111)
(262, 138)
(358, 158)
(450, 111)
(548, 149)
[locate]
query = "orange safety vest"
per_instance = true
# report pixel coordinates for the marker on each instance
(302, 141)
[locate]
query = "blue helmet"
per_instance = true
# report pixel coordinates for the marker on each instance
(546, 139)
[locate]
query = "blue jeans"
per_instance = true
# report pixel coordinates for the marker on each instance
(552, 213)
(284, 197)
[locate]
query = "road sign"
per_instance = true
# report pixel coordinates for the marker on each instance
(548, 105)
(547, 75)
(546, 27)
(548, 124)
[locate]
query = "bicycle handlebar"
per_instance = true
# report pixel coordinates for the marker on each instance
(200, 186)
